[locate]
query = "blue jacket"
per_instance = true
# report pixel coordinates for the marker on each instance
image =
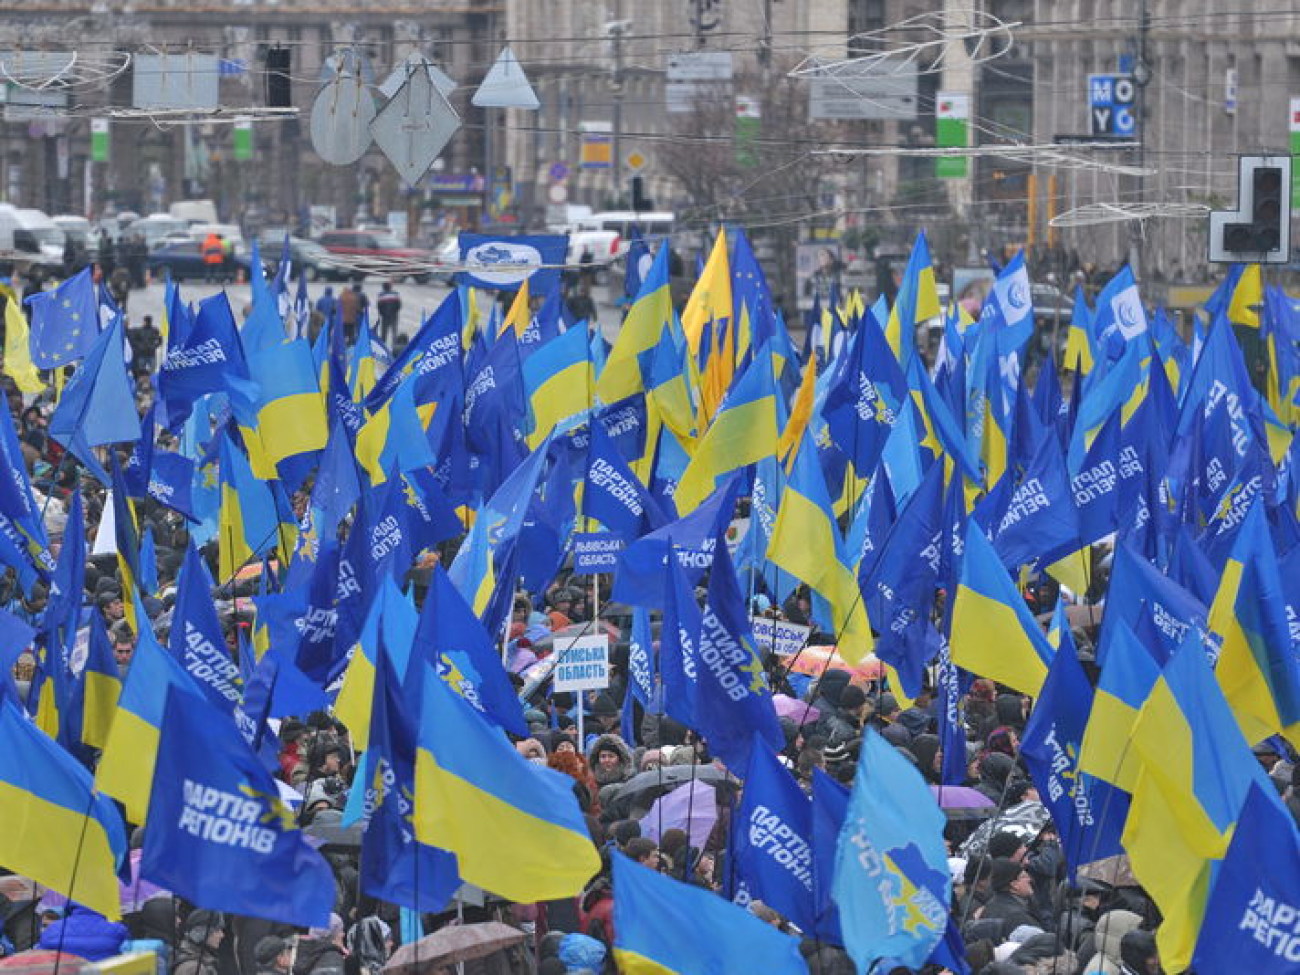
(85, 934)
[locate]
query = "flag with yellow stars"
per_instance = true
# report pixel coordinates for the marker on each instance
(65, 321)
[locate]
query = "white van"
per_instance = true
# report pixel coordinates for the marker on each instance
(194, 211)
(15, 241)
(654, 224)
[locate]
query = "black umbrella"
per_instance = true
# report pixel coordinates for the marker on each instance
(645, 788)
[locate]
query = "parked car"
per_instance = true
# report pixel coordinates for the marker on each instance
(306, 257)
(374, 244)
(184, 259)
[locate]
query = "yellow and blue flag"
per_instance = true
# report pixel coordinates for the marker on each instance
(18, 363)
(1257, 668)
(743, 433)
(806, 543)
(891, 868)
(646, 319)
(126, 768)
(58, 830)
(1089, 813)
(392, 439)
(249, 523)
(917, 302)
(219, 834)
(515, 827)
(993, 633)
(710, 299)
(287, 417)
(1250, 919)
(709, 934)
(1196, 770)
(101, 686)
(1129, 673)
(559, 379)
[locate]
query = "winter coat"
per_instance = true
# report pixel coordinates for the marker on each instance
(192, 959)
(1011, 910)
(85, 934)
(1110, 931)
(626, 763)
(318, 956)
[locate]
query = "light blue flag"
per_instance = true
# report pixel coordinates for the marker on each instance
(891, 865)
(98, 406)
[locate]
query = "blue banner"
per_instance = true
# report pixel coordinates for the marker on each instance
(500, 263)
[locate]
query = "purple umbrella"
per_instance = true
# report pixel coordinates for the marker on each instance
(670, 811)
(795, 709)
(960, 797)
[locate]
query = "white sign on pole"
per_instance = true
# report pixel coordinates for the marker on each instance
(583, 664)
(869, 90)
(778, 636)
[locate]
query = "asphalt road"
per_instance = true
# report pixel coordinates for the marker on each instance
(418, 300)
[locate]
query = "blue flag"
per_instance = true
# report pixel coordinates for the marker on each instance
(196, 640)
(65, 321)
(891, 867)
(732, 697)
(612, 493)
(1089, 813)
(98, 406)
(830, 804)
(454, 642)
(394, 866)
(771, 839)
(219, 834)
(1250, 919)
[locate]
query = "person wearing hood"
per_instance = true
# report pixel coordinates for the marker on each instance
(370, 943)
(274, 955)
(610, 760)
(1138, 952)
(321, 952)
(1107, 937)
(201, 938)
(84, 933)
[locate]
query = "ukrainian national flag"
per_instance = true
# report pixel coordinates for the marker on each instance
(559, 379)
(806, 542)
(126, 768)
(1247, 296)
(392, 439)
(127, 540)
(1257, 669)
(652, 310)
(17, 345)
(290, 410)
(710, 299)
(993, 633)
(743, 433)
(57, 831)
(248, 524)
(1196, 771)
(917, 301)
(1126, 680)
(515, 828)
(101, 686)
(708, 933)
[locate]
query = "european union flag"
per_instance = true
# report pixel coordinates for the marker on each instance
(891, 870)
(65, 321)
(219, 835)
(1251, 918)
(98, 406)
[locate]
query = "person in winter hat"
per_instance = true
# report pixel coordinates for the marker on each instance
(582, 955)
(1107, 936)
(610, 760)
(273, 955)
(321, 952)
(201, 938)
(370, 942)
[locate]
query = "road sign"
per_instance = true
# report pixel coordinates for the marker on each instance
(558, 193)
(635, 161)
(1112, 105)
(558, 172)
(866, 90)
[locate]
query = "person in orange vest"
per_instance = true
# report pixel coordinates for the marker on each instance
(214, 257)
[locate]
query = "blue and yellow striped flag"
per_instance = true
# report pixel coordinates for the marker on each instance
(560, 381)
(57, 831)
(646, 319)
(993, 633)
(515, 827)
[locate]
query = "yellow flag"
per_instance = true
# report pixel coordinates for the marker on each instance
(520, 313)
(800, 412)
(711, 296)
(18, 354)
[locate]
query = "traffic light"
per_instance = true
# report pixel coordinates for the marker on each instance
(640, 202)
(1259, 230)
